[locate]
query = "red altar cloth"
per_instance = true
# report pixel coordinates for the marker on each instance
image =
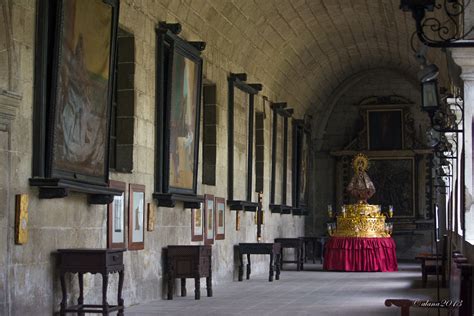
(360, 254)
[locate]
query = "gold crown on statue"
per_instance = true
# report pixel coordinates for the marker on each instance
(360, 163)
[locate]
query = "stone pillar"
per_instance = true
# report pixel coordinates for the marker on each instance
(464, 57)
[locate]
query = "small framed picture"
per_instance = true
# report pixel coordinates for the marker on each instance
(209, 219)
(116, 217)
(220, 218)
(197, 224)
(136, 217)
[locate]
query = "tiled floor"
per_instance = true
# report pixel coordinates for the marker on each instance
(311, 292)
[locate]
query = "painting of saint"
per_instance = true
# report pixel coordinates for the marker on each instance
(385, 129)
(220, 218)
(183, 112)
(138, 219)
(81, 95)
(303, 169)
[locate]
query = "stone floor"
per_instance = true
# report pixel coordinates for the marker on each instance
(311, 292)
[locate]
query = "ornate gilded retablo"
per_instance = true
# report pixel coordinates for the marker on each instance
(361, 219)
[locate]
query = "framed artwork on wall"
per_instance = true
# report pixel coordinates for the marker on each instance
(385, 129)
(301, 167)
(394, 178)
(72, 120)
(116, 217)
(209, 212)
(178, 102)
(197, 224)
(220, 218)
(136, 217)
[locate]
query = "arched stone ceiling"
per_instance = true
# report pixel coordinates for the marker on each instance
(301, 50)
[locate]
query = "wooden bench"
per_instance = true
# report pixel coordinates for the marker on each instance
(460, 283)
(432, 264)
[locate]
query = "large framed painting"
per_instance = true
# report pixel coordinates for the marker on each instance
(136, 217)
(197, 224)
(209, 213)
(220, 218)
(301, 165)
(74, 77)
(394, 182)
(385, 129)
(179, 84)
(116, 217)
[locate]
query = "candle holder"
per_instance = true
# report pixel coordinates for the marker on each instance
(330, 213)
(343, 210)
(390, 211)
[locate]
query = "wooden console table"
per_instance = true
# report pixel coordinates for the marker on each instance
(295, 243)
(313, 242)
(80, 261)
(272, 249)
(189, 262)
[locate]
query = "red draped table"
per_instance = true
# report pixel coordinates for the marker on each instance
(360, 254)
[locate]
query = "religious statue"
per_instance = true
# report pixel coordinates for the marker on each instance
(361, 187)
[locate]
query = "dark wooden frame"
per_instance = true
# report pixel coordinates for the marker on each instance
(131, 244)
(194, 236)
(209, 198)
(110, 209)
(55, 183)
(169, 44)
(279, 109)
(301, 133)
(217, 201)
(238, 81)
(402, 127)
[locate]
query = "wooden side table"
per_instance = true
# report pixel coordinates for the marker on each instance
(313, 242)
(80, 261)
(295, 243)
(272, 249)
(189, 262)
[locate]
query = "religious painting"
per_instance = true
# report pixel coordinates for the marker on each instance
(197, 224)
(81, 89)
(209, 213)
(183, 112)
(394, 183)
(385, 129)
(136, 217)
(220, 218)
(303, 170)
(116, 217)
(179, 82)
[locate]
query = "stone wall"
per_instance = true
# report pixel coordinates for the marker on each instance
(28, 280)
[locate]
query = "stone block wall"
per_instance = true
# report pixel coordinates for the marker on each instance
(28, 280)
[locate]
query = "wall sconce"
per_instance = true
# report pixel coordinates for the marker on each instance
(439, 33)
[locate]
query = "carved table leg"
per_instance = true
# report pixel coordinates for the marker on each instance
(241, 266)
(248, 266)
(270, 276)
(209, 282)
(281, 258)
(197, 288)
(64, 292)
(301, 260)
(183, 287)
(80, 300)
(297, 254)
(105, 284)
(277, 266)
(314, 252)
(120, 301)
(170, 280)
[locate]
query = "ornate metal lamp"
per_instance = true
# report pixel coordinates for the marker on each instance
(439, 33)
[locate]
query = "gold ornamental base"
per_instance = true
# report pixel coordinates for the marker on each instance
(361, 220)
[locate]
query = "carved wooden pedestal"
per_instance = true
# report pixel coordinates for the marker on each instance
(189, 262)
(80, 261)
(272, 249)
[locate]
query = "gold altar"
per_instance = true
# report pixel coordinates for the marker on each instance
(361, 220)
